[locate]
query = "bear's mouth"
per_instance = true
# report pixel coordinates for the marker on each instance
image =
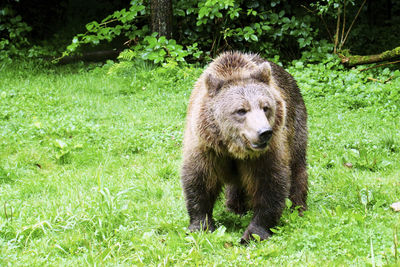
(258, 146)
(255, 146)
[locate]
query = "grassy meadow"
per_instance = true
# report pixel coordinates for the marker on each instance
(89, 171)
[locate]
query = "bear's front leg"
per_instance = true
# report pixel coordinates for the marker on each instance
(268, 203)
(201, 189)
(263, 219)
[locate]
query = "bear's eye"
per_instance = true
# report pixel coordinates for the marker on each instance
(241, 112)
(265, 109)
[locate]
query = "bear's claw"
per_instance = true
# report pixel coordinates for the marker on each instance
(257, 230)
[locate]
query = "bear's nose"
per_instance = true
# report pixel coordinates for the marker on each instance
(264, 134)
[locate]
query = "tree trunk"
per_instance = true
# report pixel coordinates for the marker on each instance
(161, 17)
(359, 60)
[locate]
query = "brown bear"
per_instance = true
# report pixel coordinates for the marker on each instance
(246, 128)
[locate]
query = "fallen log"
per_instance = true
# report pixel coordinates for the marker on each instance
(353, 60)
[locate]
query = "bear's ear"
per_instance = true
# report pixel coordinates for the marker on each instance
(263, 73)
(213, 84)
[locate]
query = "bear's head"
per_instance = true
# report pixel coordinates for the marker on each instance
(248, 111)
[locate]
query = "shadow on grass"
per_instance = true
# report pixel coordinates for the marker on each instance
(233, 222)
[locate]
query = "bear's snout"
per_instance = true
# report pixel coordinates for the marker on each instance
(264, 135)
(257, 130)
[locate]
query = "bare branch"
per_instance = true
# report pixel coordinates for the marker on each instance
(380, 65)
(355, 18)
(337, 30)
(344, 25)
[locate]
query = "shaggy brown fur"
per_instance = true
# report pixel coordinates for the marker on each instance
(246, 128)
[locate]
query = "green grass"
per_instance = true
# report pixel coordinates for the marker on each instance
(89, 171)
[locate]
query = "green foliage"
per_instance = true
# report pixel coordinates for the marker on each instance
(13, 33)
(89, 170)
(14, 37)
(266, 28)
(202, 29)
(206, 27)
(329, 7)
(321, 53)
(122, 22)
(146, 46)
(351, 87)
(159, 50)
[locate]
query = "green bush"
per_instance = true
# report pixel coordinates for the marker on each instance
(269, 28)
(13, 33)
(122, 22)
(206, 28)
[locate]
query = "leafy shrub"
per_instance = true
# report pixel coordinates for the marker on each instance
(122, 22)
(160, 50)
(13, 33)
(267, 28)
(143, 44)
(14, 37)
(206, 28)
